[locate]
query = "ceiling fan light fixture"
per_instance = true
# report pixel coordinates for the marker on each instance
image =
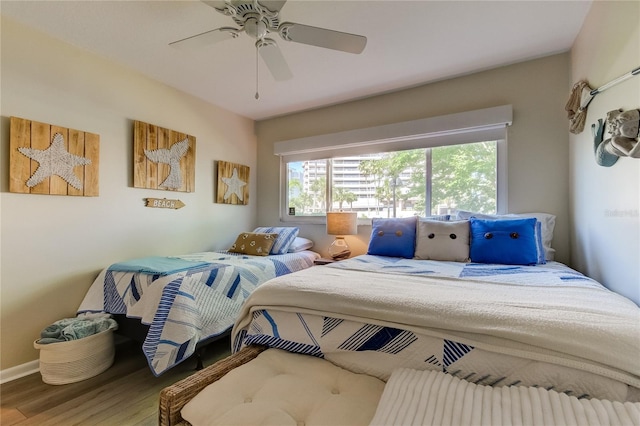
(255, 28)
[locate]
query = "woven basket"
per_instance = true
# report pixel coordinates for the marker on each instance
(76, 360)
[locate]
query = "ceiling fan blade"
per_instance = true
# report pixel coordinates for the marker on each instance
(272, 5)
(216, 4)
(206, 38)
(273, 58)
(322, 37)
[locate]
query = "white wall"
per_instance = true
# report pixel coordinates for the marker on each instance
(54, 246)
(605, 202)
(537, 140)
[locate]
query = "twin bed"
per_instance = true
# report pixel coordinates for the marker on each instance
(174, 304)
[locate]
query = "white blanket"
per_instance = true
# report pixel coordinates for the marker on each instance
(588, 328)
(413, 397)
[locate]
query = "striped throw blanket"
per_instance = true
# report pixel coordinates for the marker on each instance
(415, 397)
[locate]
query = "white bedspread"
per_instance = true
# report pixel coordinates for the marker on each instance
(588, 328)
(413, 397)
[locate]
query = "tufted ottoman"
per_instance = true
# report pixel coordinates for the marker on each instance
(282, 388)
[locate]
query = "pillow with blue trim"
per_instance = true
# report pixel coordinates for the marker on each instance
(286, 236)
(509, 242)
(395, 237)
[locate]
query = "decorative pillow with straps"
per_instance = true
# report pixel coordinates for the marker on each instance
(437, 240)
(509, 242)
(394, 237)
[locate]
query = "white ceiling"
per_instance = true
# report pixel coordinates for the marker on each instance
(409, 43)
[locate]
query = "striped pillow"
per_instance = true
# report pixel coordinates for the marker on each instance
(286, 236)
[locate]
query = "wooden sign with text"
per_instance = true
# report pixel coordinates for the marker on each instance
(163, 203)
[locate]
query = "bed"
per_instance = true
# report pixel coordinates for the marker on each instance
(543, 325)
(477, 297)
(175, 304)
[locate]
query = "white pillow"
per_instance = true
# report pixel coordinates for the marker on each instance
(438, 240)
(300, 244)
(547, 222)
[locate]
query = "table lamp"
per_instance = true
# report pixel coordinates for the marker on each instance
(341, 224)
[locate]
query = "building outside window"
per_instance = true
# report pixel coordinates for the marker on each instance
(423, 182)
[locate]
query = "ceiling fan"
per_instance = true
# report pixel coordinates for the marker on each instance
(260, 19)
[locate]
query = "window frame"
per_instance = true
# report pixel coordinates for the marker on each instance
(488, 124)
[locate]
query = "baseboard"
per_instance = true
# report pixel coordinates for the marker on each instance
(18, 371)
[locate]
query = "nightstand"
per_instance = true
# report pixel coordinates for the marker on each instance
(323, 261)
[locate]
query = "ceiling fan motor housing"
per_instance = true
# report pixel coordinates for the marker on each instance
(246, 10)
(255, 27)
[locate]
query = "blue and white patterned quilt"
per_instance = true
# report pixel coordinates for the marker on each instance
(188, 306)
(543, 325)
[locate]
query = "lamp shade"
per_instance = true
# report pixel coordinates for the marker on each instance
(342, 223)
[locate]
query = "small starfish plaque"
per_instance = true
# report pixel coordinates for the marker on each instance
(233, 183)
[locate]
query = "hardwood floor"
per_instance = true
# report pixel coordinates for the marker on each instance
(125, 394)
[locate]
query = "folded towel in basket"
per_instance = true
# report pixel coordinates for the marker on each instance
(76, 328)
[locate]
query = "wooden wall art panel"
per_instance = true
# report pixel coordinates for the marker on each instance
(233, 183)
(54, 160)
(163, 158)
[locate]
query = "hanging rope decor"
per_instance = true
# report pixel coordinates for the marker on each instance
(580, 97)
(576, 112)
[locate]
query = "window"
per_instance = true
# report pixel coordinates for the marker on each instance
(405, 183)
(423, 167)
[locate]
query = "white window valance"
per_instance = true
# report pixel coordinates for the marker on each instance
(452, 129)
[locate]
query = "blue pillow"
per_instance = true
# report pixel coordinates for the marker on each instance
(286, 236)
(394, 237)
(509, 242)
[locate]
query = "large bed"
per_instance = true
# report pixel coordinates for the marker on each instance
(477, 299)
(179, 302)
(491, 324)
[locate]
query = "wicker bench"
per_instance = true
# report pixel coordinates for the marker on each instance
(272, 386)
(174, 397)
(330, 398)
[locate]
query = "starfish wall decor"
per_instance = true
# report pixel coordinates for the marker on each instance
(233, 183)
(234, 186)
(53, 160)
